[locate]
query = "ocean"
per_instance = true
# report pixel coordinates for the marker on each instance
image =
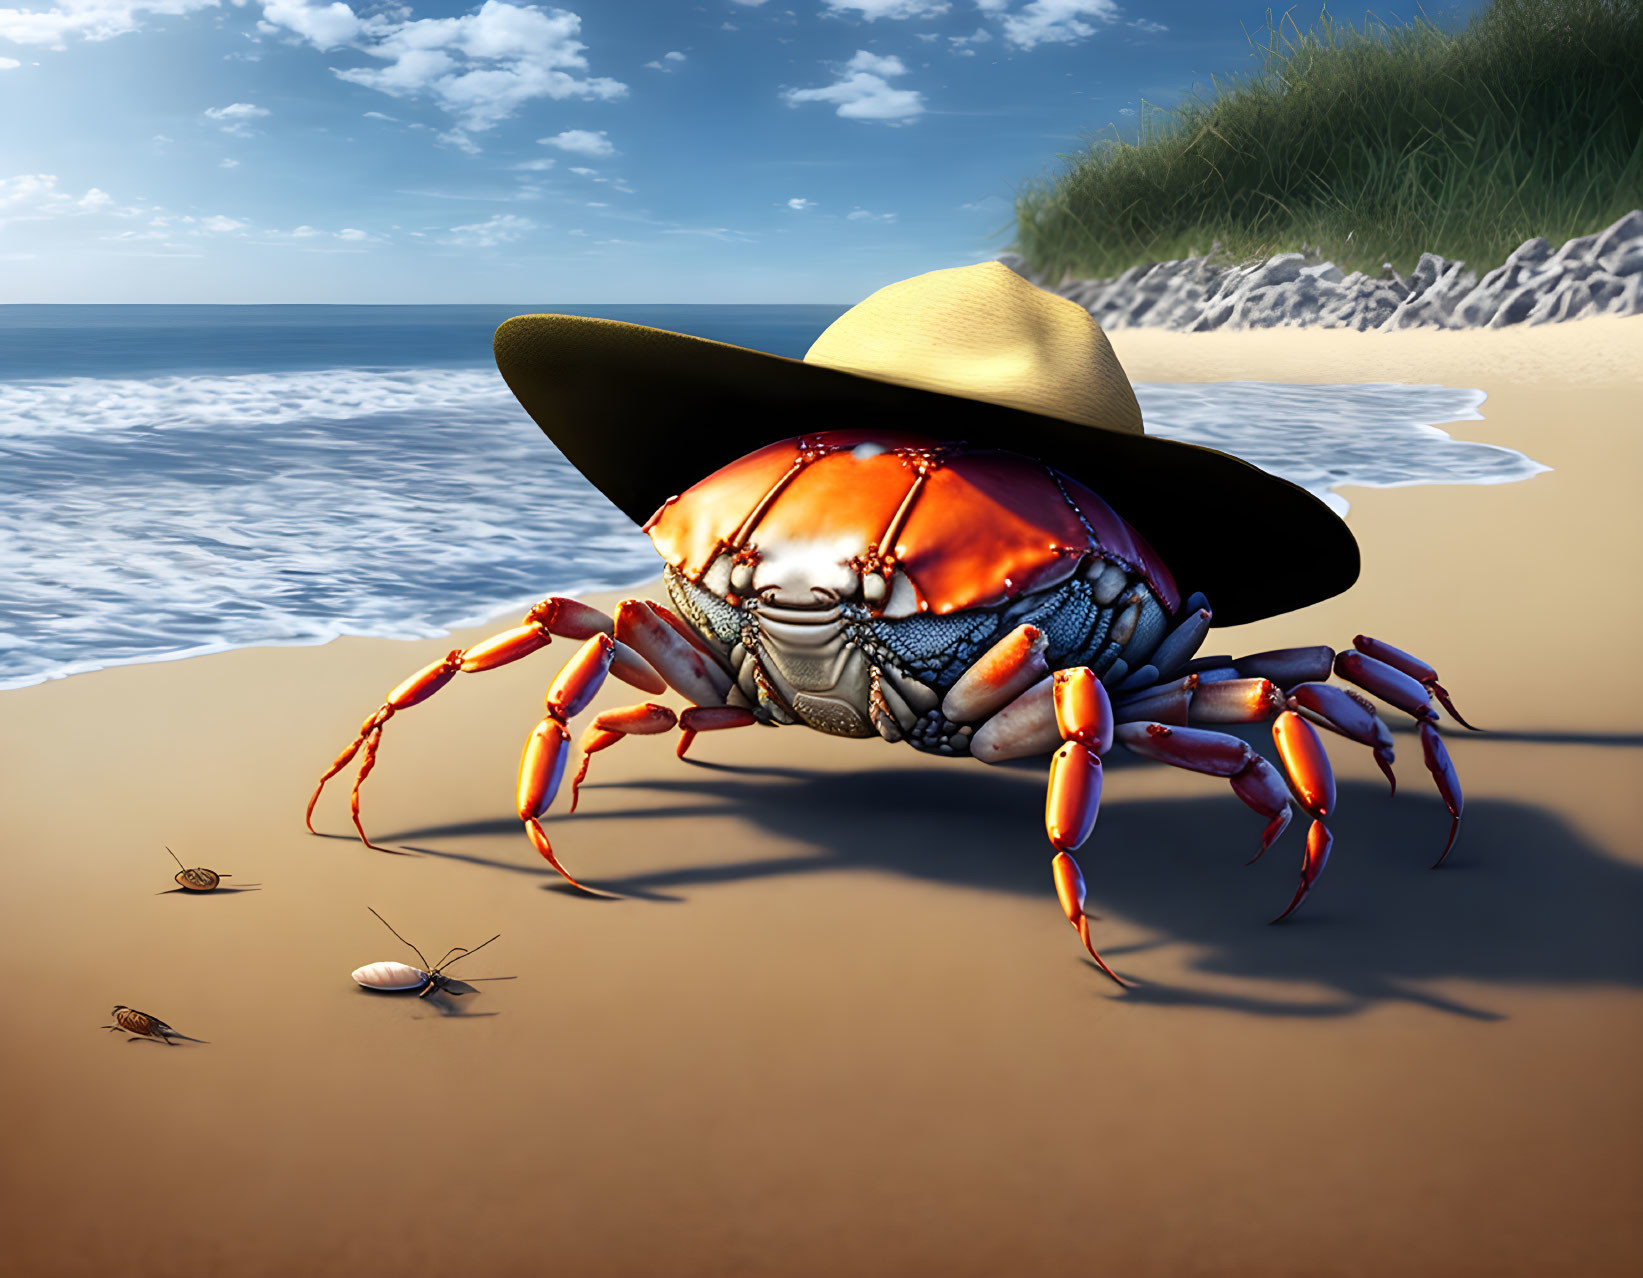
(177, 480)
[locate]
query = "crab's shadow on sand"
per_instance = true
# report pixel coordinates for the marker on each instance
(1524, 899)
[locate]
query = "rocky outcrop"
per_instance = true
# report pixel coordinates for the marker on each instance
(1599, 274)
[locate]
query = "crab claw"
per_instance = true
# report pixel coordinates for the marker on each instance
(1318, 841)
(1069, 886)
(1443, 772)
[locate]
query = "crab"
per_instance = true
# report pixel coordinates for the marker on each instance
(968, 601)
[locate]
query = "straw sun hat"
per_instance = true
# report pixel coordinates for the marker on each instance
(975, 353)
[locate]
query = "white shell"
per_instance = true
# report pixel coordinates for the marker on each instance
(390, 976)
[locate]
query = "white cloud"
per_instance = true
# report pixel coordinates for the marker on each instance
(1126, 110)
(312, 239)
(863, 94)
(1056, 21)
(236, 117)
(88, 19)
(992, 6)
(724, 233)
(800, 204)
(9, 64)
(34, 197)
(534, 166)
(872, 10)
(220, 225)
(1148, 28)
(504, 228)
(480, 67)
(862, 215)
(580, 142)
(659, 65)
(228, 163)
(961, 43)
(324, 26)
(378, 115)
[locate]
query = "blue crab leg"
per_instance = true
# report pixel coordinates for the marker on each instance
(1412, 666)
(1443, 772)
(1348, 714)
(1217, 754)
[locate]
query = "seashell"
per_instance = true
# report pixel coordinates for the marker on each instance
(390, 976)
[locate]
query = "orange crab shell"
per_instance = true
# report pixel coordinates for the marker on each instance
(970, 527)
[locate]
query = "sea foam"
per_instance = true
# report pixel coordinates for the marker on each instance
(149, 519)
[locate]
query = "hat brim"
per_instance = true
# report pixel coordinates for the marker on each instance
(645, 413)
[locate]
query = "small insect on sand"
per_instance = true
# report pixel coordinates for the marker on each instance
(130, 1021)
(197, 879)
(397, 977)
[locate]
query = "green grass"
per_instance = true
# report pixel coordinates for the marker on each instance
(1367, 145)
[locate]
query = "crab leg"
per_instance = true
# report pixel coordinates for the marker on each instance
(1386, 682)
(1318, 842)
(542, 765)
(711, 719)
(610, 727)
(1412, 666)
(1311, 777)
(1182, 642)
(687, 666)
(552, 616)
(1216, 754)
(1083, 715)
(1002, 673)
(1443, 772)
(1287, 667)
(1348, 714)
(1404, 681)
(687, 669)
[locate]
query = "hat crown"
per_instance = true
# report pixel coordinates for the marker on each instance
(983, 332)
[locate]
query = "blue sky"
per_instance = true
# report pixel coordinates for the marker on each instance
(610, 151)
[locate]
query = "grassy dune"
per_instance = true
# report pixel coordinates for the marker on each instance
(1370, 144)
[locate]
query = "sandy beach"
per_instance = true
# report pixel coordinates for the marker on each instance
(836, 1023)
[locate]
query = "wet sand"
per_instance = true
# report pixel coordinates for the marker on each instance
(836, 1023)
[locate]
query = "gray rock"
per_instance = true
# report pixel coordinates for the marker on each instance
(1599, 274)
(1515, 307)
(1623, 259)
(1629, 230)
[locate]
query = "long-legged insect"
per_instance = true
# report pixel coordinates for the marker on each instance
(396, 977)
